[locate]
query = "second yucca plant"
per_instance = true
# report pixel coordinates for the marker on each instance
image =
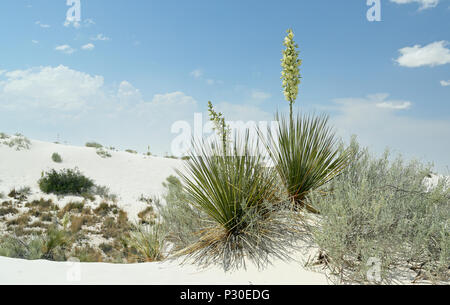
(305, 155)
(304, 150)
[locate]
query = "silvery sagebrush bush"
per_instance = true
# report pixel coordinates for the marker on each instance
(380, 208)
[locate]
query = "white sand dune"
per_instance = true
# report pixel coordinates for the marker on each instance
(129, 176)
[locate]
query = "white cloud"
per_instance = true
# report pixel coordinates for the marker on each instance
(175, 98)
(68, 22)
(45, 26)
(424, 4)
(65, 49)
(100, 37)
(47, 87)
(260, 95)
(243, 112)
(196, 73)
(433, 54)
(88, 47)
(445, 83)
(88, 22)
(45, 99)
(35, 41)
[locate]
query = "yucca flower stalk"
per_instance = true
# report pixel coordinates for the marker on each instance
(220, 126)
(290, 74)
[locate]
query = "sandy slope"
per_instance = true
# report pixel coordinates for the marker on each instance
(128, 176)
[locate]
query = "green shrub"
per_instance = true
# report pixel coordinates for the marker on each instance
(56, 158)
(131, 151)
(94, 145)
(381, 209)
(51, 245)
(103, 153)
(65, 182)
(305, 155)
(15, 247)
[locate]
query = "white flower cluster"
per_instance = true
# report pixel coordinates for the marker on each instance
(291, 68)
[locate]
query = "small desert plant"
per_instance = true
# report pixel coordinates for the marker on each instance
(8, 211)
(76, 223)
(55, 244)
(131, 151)
(20, 194)
(380, 209)
(105, 193)
(148, 241)
(3, 136)
(148, 153)
(305, 155)
(104, 209)
(115, 227)
(56, 158)
(103, 153)
(147, 216)
(94, 145)
(65, 182)
(14, 247)
(42, 205)
(51, 245)
(18, 141)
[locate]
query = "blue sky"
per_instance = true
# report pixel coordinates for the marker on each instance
(130, 69)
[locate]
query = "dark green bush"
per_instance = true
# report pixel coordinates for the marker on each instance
(94, 145)
(56, 158)
(65, 182)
